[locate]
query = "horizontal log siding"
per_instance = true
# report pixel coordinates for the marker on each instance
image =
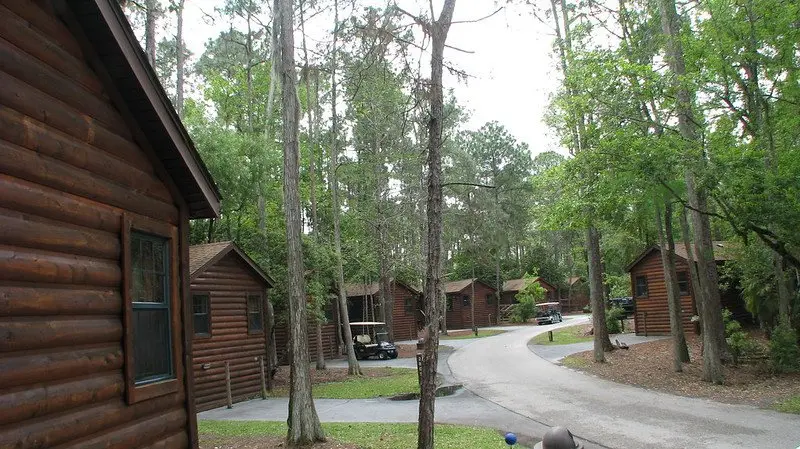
(461, 315)
(328, 341)
(227, 282)
(405, 323)
(652, 312)
(69, 169)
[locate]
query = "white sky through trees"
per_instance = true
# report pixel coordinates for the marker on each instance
(511, 68)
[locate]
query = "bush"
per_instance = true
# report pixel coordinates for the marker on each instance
(784, 354)
(613, 317)
(527, 299)
(739, 342)
(587, 309)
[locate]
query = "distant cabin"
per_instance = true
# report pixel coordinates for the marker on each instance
(577, 295)
(651, 315)
(229, 293)
(331, 342)
(98, 181)
(459, 299)
(513, 286)
(364, 305)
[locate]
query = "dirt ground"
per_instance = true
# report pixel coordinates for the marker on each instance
(261, 442)
(649, 365)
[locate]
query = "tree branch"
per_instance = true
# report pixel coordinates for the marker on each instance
(479, 19)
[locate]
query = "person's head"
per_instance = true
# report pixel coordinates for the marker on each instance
(558, 438)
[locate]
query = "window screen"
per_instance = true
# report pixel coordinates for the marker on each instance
(449, 303)
(408, 305)
(489, 298)
(641, 286)
(465, 299)
(255, 322)
(683, 283)
(201, 311)
(150, 304)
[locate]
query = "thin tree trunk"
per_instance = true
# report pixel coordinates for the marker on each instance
(320, 346)
(680, 352)
(601, 341)
(433, 274)
(180, 63)
(472, 301)
(352, 363)
(150, 18)
(693, 276)
(273, 76)
(272, 349)
(303, 423)
(713, 336)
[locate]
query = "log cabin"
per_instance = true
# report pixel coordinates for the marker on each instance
(362, 300)
(577, 295)
(509, 295)
(331, 342)
(651, 313)
(460, 297)
(229, 293)
(98, 181)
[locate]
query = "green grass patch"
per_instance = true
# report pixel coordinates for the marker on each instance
(791, 405)
(563, 336)
(369, 435)
(481, 333)
(574, 362)
(401, 380)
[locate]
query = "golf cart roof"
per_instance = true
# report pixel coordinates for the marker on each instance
(367, 323)
(548, 304)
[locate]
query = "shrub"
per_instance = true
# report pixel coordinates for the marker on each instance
(527, 298)
(784, 354)
(739, 342)
(587, 309)
(613, 317)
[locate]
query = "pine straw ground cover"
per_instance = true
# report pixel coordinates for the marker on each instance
(649, 365)
(270, 435)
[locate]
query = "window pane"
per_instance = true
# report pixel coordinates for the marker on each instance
(202, 315)
(146, 262)
(254, 321)
(159, 251)
(149, 270)
(152, 344)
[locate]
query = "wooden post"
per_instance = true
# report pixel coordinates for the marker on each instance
(263, 378)
(645, 324)
(419, 368)
(228, 383)
(550, 335)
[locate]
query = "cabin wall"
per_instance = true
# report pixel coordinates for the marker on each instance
(461, 315)
(329, 346)
(651, 315)
(69, 171)
(405, 323)
(577, 298)
(227, 283)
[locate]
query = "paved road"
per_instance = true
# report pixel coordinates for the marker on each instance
(554, 353)
(503, 370)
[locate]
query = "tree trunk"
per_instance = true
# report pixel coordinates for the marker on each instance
(150, 18)
(352, 363)
(180, 63)
(303, 423)
(433, 274)
(685, 233)
(667, 249)
(713, 334)
(472, 301)
(272, 350)
(601, 341)
(385, 287)
(320, 346)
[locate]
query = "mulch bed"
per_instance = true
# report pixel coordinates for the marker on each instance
(262, 442)
(649, 365)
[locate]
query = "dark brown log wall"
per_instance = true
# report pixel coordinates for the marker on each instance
(227, 283)
(328, 339)
(406, 322)
(461, 315)
(652, 312)
(69, 170)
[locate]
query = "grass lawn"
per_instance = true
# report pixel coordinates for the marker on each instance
(362, 435)
(463, 335)
(563, 336)
(791, 405)
(380, 382)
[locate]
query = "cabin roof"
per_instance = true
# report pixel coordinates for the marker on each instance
(574, 279)
(722, 252)
(201, 257)
(457, 286)
(115, 54)
(515, 285)
(373, 288)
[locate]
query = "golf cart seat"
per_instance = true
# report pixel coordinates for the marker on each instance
(363, 339)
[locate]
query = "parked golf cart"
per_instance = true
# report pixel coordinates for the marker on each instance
(370, 339)
(548, 313)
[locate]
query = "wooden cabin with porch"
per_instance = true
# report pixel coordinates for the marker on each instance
(651, 315)
(229, 293)
(364, 304)
(98, 181)
(460, 297)
(513, 286)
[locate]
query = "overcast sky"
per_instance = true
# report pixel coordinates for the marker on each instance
(511, 68)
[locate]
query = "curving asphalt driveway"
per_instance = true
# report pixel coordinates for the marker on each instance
(503, 370)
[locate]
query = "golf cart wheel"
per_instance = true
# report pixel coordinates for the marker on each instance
(393, 356)
(383, 355)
